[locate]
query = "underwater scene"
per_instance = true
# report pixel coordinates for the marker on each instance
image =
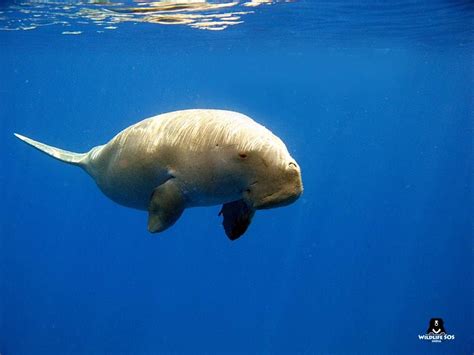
(255, 176)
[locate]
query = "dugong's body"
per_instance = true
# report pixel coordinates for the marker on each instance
(190, 158)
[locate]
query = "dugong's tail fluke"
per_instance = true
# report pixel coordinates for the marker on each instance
(60, 154)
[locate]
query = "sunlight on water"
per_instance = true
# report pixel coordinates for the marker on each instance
(105, 15)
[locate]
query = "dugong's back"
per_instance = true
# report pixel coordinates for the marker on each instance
(146, 154)
(197, 130)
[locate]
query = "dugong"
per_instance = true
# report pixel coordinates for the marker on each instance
(200, 157)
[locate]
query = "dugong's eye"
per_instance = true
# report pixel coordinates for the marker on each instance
(243, 155)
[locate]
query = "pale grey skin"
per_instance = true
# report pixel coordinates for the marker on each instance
(191, 158)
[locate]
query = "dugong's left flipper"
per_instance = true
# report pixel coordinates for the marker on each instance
(166, 206)
(237, 218)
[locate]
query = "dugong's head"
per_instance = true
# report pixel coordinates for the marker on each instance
(273, 178)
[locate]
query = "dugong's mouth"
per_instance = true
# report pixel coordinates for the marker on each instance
(275, 199)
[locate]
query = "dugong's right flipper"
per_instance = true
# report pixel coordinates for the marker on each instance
(166, 206)
(237, 218)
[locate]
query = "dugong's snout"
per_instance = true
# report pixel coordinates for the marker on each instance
(278, 190)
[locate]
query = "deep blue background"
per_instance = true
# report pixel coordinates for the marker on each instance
(375, 105)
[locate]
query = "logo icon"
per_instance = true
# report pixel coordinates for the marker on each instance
(436, 332)
(436, 326)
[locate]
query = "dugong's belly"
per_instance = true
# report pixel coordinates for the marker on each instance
(126, 174)
(206, 178)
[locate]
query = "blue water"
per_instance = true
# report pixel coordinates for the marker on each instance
(374, 101)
